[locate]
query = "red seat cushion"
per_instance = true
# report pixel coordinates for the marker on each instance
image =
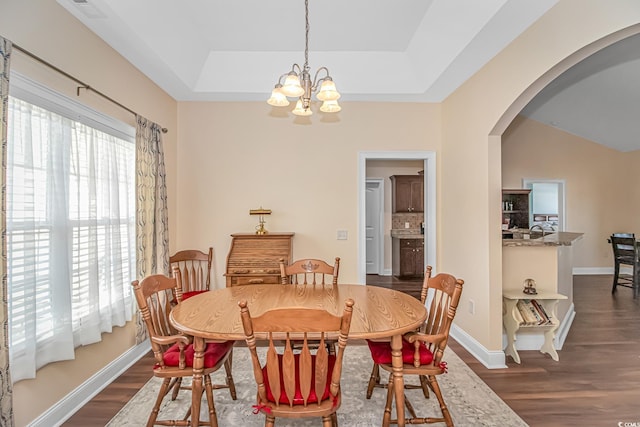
(212, 354)
(381, 352)
(187, 295)
(297, 398)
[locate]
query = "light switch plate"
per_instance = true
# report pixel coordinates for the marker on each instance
(342, 234)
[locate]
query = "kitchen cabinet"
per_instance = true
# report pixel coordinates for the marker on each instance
(407, 193)
(515, 208)
(254, 259)
(408, 256)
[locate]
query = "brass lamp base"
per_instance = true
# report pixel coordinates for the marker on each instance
(261, 212)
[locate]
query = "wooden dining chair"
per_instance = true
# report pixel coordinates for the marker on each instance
(374, 379)
(173, 351)
(309, 271)
(194, 268)
(422, 350)
(298, 385)
(625, 253)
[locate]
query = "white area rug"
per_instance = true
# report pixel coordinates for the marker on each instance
(471, 402)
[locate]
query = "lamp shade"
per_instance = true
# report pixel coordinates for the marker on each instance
(278, 99)
(330, 107)
(292, 86)
(328, 91)
(300, 111)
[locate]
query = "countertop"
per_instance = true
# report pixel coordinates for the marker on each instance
(560, 238)
(406, 233)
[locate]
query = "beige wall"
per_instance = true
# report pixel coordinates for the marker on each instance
(306, 174)
(48, 31)
(474, 118)
(601, 197)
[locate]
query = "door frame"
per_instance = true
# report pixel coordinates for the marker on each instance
(562, 193)
(429, 158)
(380, 220)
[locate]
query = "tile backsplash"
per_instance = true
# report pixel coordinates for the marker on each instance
(398, 220)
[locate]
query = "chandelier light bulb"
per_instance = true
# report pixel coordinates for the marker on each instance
(278, 99)
(328, 91)
(300, 110)
(292, 86)
(331, 106)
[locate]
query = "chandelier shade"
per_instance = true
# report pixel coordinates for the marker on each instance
(278, 99)
(297, 83)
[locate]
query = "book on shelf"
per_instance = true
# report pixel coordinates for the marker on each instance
(526, 313)
(531, 313)
(540, 308)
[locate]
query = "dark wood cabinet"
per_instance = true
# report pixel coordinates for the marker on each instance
(254, 259)
(407, 193)
(408, 257)
(515, 208)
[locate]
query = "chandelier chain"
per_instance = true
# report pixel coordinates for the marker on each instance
(306, 35)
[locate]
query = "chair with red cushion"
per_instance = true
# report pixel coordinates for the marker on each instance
(374, 380)
(303, 384)
(423, 349)
(194, 267)
(173, 351)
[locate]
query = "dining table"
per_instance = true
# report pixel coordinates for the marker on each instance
(378, 313)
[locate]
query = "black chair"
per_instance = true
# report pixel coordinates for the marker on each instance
(625, 253)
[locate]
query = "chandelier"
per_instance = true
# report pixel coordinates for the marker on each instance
(298, 84)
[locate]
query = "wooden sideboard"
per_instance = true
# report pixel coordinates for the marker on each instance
(255, 258)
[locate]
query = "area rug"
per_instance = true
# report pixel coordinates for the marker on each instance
(471, 402)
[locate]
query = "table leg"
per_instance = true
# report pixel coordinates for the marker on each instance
(398, 378)
(198, 369)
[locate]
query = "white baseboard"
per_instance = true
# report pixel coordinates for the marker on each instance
(563, 329)
(490, 359)
(68, 405)
(585, 271)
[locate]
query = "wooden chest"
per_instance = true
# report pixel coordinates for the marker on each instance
(255, 258)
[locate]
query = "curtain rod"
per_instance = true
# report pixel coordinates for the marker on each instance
(82, 84)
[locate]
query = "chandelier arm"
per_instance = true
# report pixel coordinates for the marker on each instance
(315, 78)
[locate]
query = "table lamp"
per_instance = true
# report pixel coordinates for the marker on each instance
(261, 212)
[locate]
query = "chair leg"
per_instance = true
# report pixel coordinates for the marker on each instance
(213, 418)
(176, 388)
(374, 380)
(616, 275)
(164, 389)
(334, 419)
(269, 421)
(326, 421)
(443, 406)
(228, 364)
(386, 418)
(424, 383)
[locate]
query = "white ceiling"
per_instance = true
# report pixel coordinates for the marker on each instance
(376, 50)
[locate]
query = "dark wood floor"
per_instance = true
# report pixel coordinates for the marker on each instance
(595, 383)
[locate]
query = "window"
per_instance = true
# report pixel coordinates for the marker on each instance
(70, 227)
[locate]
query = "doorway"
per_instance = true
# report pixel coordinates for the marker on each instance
(428, 159)
(547, 203)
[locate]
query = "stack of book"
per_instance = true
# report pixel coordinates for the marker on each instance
(531, 313)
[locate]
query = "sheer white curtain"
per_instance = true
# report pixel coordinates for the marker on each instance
(70, 235)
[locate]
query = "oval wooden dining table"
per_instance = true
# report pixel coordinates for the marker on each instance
(377, 313)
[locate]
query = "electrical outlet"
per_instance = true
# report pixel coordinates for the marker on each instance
(342, 235)
(472, 307)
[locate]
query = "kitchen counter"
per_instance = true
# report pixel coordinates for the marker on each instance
(560, 238)
(406, 233)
